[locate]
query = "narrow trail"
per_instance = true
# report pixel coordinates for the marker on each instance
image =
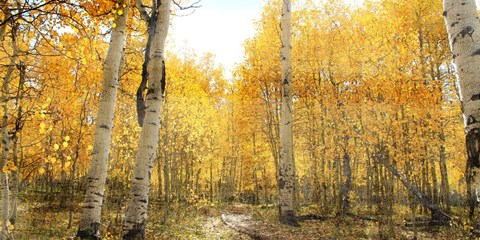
(245, 224)
(214, 228)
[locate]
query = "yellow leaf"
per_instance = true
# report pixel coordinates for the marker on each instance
(41, 170)
(56, 147)
(89, 147)
(65, 144)
(114, 25)
(10, 167)
(42, 125)
(53, 160)
(67, 138)
(67, 164)
(120, 12)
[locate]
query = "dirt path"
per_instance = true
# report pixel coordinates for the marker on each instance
(214, 228)
(260, 230)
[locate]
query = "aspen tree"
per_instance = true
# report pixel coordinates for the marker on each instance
(5, 145)
(286, 179)
(463, 28)
(89, 226)
(136, 213)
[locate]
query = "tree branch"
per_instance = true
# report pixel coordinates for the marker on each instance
(193, 5)
(5, 21)
(143, 11)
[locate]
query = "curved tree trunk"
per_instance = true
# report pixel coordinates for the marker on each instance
(463, 28)
(286, 179)
(136, 213)
(89, 226)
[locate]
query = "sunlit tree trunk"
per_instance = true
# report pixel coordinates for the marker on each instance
(5, 145)
(4, 197)
(136, 214)
(286, 180)
(89, 226)
(4, 188)
(463, 28)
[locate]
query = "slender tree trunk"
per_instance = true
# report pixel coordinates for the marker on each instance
(437, 215)
(7, 14)
(286, 181)
(89, 226)
(15, 139)
(75, 160)
(463, 28)
(347, 184)
(4, 182)
(271, 128)
(210, 189)
(435, 195)
(445, 185)
(166, 157)
(4, 188)
(136, 214)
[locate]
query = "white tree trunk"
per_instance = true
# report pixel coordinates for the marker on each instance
(286, 180)
(89, 226)
(5, 143)
(136, 213)
(463, 28)
(4, 189)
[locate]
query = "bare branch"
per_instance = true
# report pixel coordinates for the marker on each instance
(193, 5)
(30, 9)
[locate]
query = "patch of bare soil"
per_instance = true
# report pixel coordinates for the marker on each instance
(260, 230)
(214, 228)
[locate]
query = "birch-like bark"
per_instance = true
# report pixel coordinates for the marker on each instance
(463, 28)
(5, 144)
(89, 226)
(136, 213)
(4, 188)
(286, 179)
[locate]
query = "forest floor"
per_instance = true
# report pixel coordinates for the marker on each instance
(47, 220)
